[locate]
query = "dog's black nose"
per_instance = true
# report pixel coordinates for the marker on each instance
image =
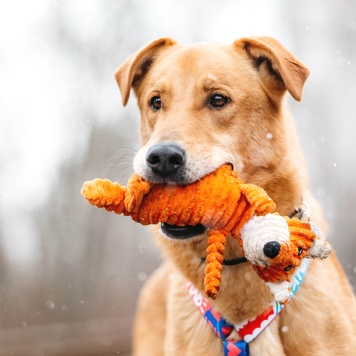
(271, 249)
(165, 159)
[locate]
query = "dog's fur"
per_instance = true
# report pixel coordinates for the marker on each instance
(255, 133)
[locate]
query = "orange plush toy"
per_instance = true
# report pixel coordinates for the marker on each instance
(275, 246)
(220, 201)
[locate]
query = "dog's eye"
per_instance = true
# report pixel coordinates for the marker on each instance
(218, 100)
(155, 103)
(300, 251)
(288, 268)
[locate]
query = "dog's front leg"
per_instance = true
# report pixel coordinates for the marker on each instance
(187, 331)
(150, 322)
(268, 343)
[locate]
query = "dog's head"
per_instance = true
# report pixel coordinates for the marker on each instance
(204, 105)
(207, 104)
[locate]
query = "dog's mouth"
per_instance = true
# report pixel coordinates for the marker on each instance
(182, 232)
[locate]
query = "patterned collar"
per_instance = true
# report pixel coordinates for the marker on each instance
(248, 329)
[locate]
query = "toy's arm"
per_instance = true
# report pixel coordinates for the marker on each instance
(137, 187)
(258, 198)
(105, 194)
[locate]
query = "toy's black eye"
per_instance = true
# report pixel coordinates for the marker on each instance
(288, 268)
(300, 251)
(218, 100)
(155, 103)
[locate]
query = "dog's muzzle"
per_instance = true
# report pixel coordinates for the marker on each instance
(182, 232)
(165, 159)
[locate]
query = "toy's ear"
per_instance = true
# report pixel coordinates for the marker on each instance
(279, 69)
(136, 66)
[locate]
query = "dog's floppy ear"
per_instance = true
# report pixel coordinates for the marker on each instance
(278, 68)
(137, 65)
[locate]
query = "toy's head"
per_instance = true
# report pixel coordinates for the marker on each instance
(276, 245)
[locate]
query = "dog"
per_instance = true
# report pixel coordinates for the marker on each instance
(204, 105)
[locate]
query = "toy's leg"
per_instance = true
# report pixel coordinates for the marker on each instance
(258, 198)
(280, 291)
(321, 249)
(136, 189)
(214, 260)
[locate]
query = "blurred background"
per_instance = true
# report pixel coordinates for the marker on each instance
(70, 274)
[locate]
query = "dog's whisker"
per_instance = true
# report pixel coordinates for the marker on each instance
(124, 173)
(123, 148)
(119, 162)
(128, 155)
(121, 158)
(122, 165)
(208, 157)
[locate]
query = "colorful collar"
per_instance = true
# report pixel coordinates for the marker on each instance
(248, 329)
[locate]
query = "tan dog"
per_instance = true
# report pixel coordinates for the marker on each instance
(204, 105)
